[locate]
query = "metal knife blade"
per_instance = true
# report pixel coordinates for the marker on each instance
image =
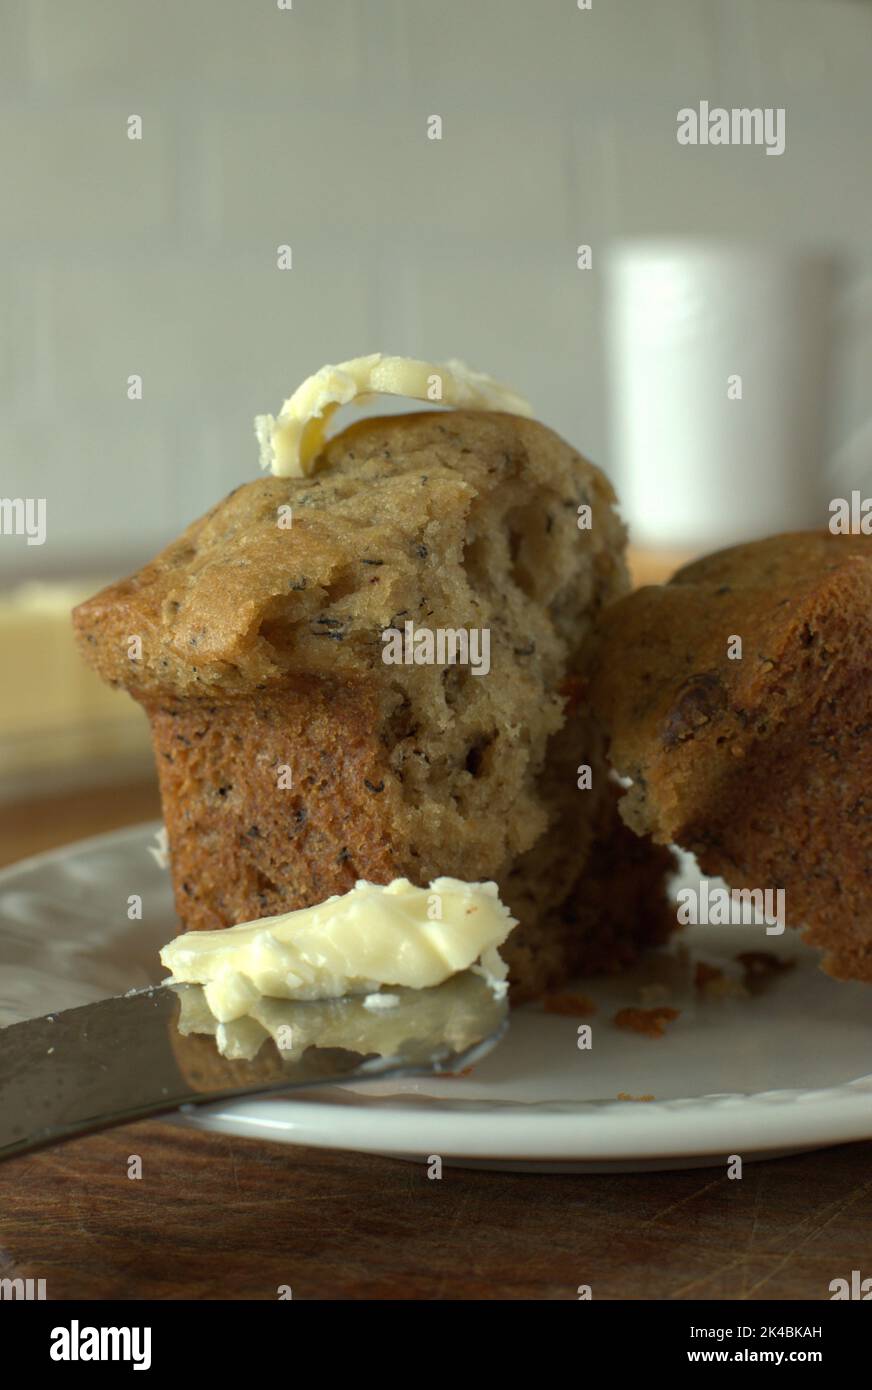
(147, 1053)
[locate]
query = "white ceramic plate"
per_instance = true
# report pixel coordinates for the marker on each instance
(755, 1075)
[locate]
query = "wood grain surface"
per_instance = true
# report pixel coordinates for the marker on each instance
(218, 1217)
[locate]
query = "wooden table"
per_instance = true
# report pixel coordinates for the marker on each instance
(215, 1217)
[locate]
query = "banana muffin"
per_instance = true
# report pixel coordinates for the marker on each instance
(309, 726)
(757, 758)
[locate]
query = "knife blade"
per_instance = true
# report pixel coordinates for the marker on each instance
(152, 1051)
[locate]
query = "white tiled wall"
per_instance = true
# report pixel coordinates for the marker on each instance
(307, 126)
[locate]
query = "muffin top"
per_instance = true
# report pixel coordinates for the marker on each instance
(762, 591)
(463, 518)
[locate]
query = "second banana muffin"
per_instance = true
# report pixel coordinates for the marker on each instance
(759, 764)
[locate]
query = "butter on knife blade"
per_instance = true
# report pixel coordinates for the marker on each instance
(354, 943)
(121, 1059)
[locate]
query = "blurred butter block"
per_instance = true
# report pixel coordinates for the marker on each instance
(59, 724)
(656, 565)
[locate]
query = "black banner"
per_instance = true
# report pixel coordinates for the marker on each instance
(209, 1338)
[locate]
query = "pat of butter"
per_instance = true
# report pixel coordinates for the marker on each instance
(351, 944)
(291, 443)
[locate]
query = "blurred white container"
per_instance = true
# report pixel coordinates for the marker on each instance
(689, 326)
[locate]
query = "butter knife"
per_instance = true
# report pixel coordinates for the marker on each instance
(155, 1050)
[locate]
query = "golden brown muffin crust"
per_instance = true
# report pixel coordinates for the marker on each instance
(762, 765)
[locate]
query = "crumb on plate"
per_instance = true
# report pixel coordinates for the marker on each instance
(651, 1022)
(761, 969)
